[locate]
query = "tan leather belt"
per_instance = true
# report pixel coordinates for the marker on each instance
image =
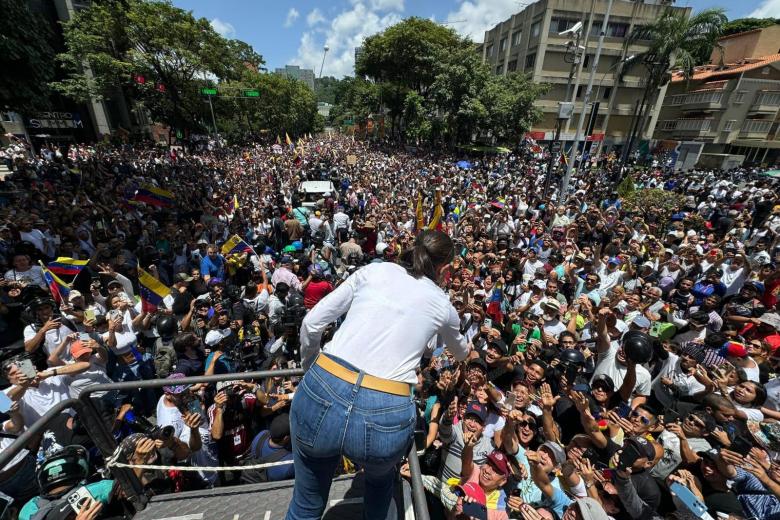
(368, 381)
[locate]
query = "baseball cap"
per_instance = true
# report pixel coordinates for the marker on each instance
(478, 410)
(474, 492)
(182, 277)
(286, 259)
(213, 337)
(174, 388)
(74, 294)
(614, 260)
(552, 303)
(555, 449)
(114, 282)
(641, 321)
(203, 241)
(478, 362)
(499, 344)
(78, 349)
(733, 349)
(499, 462)
(644, 447)
(769, 318)
(539, 284)
(221, 385)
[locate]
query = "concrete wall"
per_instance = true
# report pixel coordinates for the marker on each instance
(751, 44)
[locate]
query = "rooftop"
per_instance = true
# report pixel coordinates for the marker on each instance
(706, 72)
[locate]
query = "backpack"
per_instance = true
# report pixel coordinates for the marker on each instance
(254, 476)
(164, 360)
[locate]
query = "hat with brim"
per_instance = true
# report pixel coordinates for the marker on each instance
(174, 388)
(771, 318)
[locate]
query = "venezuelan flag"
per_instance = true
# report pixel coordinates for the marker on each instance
(154, 196)
(152, 290)
(236, 244)
(65, 266)
(287, 139)
(59, 289)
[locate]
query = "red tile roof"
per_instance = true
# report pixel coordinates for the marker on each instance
(711, 71)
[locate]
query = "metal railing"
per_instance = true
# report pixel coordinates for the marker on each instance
(127, 479)
(756, 126)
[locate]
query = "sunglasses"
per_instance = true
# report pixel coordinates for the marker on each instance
(524, 424)
(642, 418)
(695, 421)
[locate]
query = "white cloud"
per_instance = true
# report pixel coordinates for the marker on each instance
(292, 15)
(345, 32)
(768, 9)
(314, 17)
(224, 28)
(474, 17)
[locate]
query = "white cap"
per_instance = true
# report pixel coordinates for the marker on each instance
(213, 337)
(380, 248)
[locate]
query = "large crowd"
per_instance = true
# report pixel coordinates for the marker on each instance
(622, 364)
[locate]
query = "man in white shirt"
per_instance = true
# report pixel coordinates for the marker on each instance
(613, 362)
(36, 396)
(48, 331)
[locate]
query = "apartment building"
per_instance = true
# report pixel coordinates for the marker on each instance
(530, 42)
(732, 104)
(295, 72)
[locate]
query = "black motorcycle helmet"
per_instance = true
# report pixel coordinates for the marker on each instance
(66, 467)
(638, 346)
(570, 356)
(167, 327)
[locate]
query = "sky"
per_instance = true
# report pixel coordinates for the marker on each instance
(295, 32)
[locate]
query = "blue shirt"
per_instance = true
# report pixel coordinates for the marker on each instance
(275, 473)
(214, 268)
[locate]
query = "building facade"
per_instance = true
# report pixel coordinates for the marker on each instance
(530, 42)
(732, 105)
(295, 72)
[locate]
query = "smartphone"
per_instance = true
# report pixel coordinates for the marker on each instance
(89, 314)
(741, 445)
(5, 501)
(509, 401)
(79, 497)
(83, 336)
(488, 323)
(624, 410)
(27, 368)
(5, 405)
(474, 510)
(689, 500)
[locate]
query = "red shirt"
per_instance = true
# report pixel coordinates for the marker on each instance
(316, 291)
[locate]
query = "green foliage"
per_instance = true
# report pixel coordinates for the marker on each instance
(325, 89)
(26, 59)
(657, 202)
(433, 86)
(355, 98)
(119, 40)
(626, 186)
(284, 105)
(676, 41)
(747, 24)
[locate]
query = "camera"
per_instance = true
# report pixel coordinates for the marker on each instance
(140, 424)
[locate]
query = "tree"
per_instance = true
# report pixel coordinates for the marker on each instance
(510, 105)
(656, 203)
(26, 59)
(747, 24)
(285, 105)
(325, 89)
(356, 98)
(167, 50)
(675, 41)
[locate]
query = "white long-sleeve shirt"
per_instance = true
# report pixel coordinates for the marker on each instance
(391, 318)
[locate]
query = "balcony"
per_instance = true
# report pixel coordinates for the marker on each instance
(694, 126)
(704, 99)
(755, 129)
(766, 102)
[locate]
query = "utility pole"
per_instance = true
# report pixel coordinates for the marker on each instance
(578, 136)
(325, 50)
(565, 110)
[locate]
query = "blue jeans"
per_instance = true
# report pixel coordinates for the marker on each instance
(330, 418)
(23, 485)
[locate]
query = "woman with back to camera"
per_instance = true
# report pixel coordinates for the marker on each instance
(356, 397)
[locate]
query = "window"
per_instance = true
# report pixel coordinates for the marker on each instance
(535, 29)
(729, 126)
(586, 62)
(516, 37)
(617, 29)
(530, 61)
(607, 93)
(502, 44)
(599, 121)
(489, 51)
(511, 66)
(739, 97)
(499, 70)
(558, 25)
(579, 92)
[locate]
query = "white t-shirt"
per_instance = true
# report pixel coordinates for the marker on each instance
(94, 375)
(5, 443)
(607, 364)
(609, 279)
(51, 340)
(773, 394)
(36, 238)
(207, 455)
(686, 385)
(33, 276)
(36, 401)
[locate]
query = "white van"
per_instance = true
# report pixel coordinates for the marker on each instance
(312, 191)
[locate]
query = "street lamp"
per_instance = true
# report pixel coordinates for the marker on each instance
(325, 50)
